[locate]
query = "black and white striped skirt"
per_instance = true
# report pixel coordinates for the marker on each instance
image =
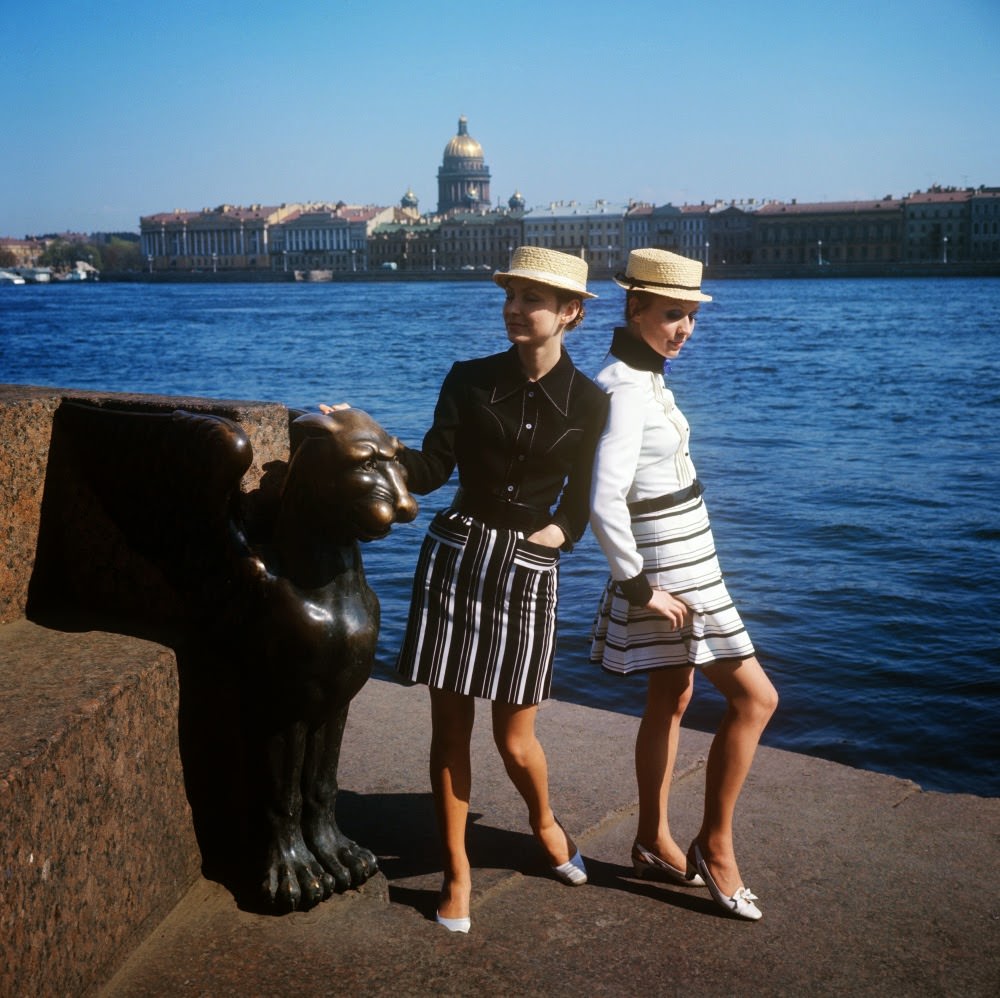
(679, 556)
(483, 612)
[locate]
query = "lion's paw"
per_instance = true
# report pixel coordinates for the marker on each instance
(295, 880)
(349, 864)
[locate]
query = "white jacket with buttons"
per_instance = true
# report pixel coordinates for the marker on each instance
(642, 454)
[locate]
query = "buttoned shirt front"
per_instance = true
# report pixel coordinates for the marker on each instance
(517, 443)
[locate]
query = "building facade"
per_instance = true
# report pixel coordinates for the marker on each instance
(404, 244)
(324, 237)
(636, 228)
(213, 239)
(938, 226)
(828, 232)
(484, 241)
(693, 232)
(984, 218)
(24, 252)
(594, 232)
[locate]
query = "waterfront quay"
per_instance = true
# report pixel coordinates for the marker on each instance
(730, 272)
(869, 886)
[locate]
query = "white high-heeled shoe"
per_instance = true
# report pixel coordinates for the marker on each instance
(648, 865)
(741, 904)
(453, 924)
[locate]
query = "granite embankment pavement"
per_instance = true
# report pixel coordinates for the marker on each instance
(869, 885)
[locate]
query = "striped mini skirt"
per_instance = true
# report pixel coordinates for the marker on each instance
(678, 556)
(482, 618)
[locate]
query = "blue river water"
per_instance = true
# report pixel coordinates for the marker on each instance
(846, 431)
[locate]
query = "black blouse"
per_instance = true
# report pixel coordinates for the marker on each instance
(516, 442)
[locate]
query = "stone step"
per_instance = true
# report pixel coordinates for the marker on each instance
(97, 840)
(869, 885)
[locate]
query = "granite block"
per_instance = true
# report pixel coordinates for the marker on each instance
(98, 837)
(97, 842)
(25, 427)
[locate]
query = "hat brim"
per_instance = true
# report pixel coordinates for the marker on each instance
(663, 290)
(541, 277)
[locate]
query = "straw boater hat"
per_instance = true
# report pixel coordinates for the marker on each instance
(546, 266)
(663, 273)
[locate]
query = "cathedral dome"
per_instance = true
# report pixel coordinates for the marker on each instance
(463, 145)
(464, 177)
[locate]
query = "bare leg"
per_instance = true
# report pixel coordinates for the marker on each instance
(751, 700)
(524, 760)
(452, 717)
(667, 697)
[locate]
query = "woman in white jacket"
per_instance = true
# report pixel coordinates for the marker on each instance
(666, 609)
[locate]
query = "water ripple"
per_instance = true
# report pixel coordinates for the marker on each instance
(849, 453)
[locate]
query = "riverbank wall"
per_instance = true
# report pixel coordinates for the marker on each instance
(734, 272)
(869, 885)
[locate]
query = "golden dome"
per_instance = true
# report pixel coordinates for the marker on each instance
(463, 145)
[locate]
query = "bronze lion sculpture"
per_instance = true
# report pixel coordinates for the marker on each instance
(144, 531)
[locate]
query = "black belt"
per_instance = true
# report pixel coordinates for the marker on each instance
(641, 506)
(500, 514)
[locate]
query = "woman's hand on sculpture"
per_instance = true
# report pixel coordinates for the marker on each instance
(336, 407)
(677, 612)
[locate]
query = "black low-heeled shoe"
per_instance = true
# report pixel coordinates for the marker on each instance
(649, 866)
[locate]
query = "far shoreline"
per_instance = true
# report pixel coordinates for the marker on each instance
(716, 272)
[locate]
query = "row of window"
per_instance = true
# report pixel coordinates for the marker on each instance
(321, 239)
(201, 243)
(789, 233)
(829, 254)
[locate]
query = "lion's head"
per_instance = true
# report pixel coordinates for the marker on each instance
(343, 471)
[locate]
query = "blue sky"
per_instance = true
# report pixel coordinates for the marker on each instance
(111, 110)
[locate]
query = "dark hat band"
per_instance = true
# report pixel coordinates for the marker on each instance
(633, 282)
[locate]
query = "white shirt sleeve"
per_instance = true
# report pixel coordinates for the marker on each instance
(615, 465)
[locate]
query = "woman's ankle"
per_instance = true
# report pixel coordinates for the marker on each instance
(555, 840)
(456, 895)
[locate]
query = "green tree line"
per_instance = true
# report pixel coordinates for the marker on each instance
(114, 253)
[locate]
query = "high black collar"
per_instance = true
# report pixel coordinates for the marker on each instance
(637, 353)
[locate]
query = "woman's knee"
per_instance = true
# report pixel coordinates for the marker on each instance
(514, 732)
(452, 719)
(515, 748)
(450, 743)
(747, 689)
(683, 700)
(759, 702)
(769, 700)
(669, 692)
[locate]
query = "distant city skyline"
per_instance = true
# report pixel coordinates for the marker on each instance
(112, 112)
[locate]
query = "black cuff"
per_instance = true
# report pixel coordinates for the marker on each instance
(637, 591)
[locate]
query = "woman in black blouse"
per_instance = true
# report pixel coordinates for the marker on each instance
(521, 426)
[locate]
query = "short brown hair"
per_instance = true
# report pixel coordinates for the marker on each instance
(564, 298)
(643, 299)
